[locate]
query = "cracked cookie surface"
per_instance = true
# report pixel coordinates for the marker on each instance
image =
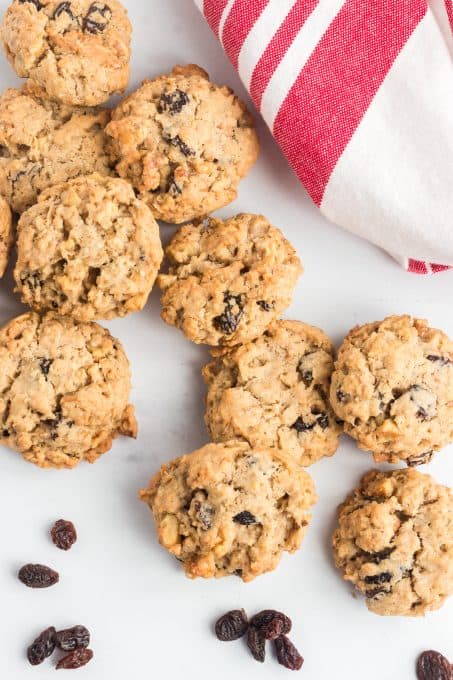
(184, 143)
(230, 509)
(89, 249)
(64, 390)
(394, 542)
(227, 280)
(393, 387)
(6, 234)
(273, 392)
(44, 142)
(77, 50)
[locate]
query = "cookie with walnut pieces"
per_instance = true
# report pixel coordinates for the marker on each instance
(274, 391)
(184, 143)
(89, 249)
(227, 280)
(230, 509)
(394, 542)
(64, 390)
(77, 51)
(393, 387)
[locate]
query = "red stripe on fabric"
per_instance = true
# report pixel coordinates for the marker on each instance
(278, 46)
(439, 268)
(213, 10)
(238, 25)
(337, 84)
(449, 8)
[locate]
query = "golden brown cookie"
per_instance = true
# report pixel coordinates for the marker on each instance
(227, 280)
(393, 387)
(394, 542)
(76, 50)
(6, 234)
(43, 143)
(273, 392)
(184, 143)
(64, 390)
(89, 248)
(230, 509)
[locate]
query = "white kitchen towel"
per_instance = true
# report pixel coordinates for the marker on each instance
(359, 96)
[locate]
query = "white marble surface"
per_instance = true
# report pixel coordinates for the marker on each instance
(146, 619)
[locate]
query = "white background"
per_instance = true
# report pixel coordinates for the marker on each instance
(147, 620)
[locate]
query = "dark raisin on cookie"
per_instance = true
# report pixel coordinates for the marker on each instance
(228, 321)
(63, 534)
(172, 102)
(385, 577)
(256, 643)
(179, 144)
(433, 665)
(442, 361)
(63, 8)
(36, 3)
(421, 459)
(271, 623)
(265, 306)
(342, 397)
(377, 557)
(42, 647)
(245, 517)
(287, 654)
(232, 625)
(45, 365)
(93, 25)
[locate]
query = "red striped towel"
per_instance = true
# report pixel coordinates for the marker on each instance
(359, 96)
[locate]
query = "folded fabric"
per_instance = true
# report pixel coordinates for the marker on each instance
(359, 96)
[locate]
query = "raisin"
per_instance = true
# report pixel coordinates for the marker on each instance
(421, 459)
(228, 321)
(90, 25)
(306, 375)
(385, 577)
(6, 433)
(377, 557)
(232, 625)
(31, 279)
(443, 361)
(36, 3)
(433, 665)
(38, 576)
(245, 517)
(256, 643)
(341, 396)
(373, 592)
(75, 659)
(77, 637)
(42, 647)
(300, 426)
(287, 654)
(265, 306)
(45, 365)
(172, 186)
(63, 534)
(172, 102)
(179, 144)
(63, 7)
(271, 623)
(323, 421)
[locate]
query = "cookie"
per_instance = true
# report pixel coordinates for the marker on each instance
(273, 392)
(230, 509)
(394, 542)
(6, 234)
(43, 143)
(184, 143)
(89, 248)
(393, 387)
(64, 390)
(227, 280)
(77, 50)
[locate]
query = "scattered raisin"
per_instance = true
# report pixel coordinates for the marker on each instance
(432, 665)
(385, 577)
(63, 7)
(172, 101)
(42, 647)
(63, 534)
(421, 459)
(245, 517)
(287, 654)
(45, 365)
(232, 625)
(172, 186)
(75, 659)
(271, 623)
(77, 637)
(300, 426)
(265, 306)
(256, 643)
(38, 576)
(323, 421)
(377, 557)
(36, 3)
(228, 321)
(306, 375)
(341, 396)
(374, 592)
(90, 25)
